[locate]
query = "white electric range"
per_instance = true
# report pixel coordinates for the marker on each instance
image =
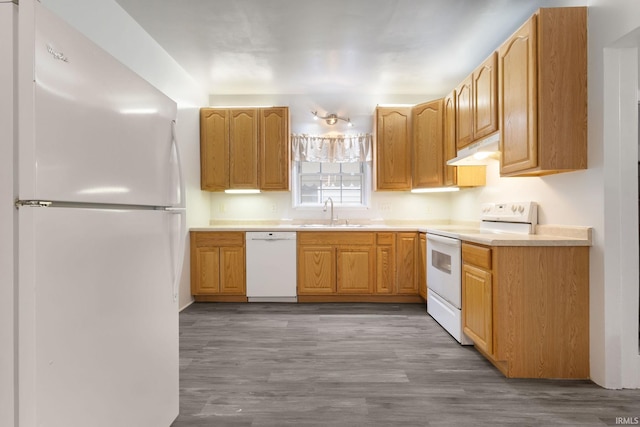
(444, 258)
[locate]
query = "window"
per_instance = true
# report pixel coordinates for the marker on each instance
(348, 184)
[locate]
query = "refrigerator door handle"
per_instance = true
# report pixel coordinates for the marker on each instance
(179, 209)
(177, 246)
(178, 164)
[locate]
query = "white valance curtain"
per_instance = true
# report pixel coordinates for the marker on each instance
(332, 149)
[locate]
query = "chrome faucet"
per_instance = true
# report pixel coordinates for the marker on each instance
(324, 209)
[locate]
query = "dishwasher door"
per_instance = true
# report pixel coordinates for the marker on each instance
(271, 266)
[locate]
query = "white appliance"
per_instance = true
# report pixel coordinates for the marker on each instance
(8, 17)
(100, 232)
(271, 266)
(444, 259)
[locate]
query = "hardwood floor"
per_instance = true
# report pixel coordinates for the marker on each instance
(361, 365)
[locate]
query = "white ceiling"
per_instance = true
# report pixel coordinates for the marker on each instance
(332, 46)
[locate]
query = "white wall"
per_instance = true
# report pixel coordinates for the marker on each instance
(109, 26)
(8, 16)
(388, 206)
(604, 196)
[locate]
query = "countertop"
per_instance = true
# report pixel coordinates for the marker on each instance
(546, 235)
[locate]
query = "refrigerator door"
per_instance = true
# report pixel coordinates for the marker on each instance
(99, 317)
(102, 134)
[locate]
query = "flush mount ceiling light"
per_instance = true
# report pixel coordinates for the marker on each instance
(331, 119)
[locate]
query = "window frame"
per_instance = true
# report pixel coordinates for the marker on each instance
(296, 195)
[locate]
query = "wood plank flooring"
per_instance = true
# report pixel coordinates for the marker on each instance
(361, 365)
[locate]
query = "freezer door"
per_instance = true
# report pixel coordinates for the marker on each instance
(98, 318)
(102, 134)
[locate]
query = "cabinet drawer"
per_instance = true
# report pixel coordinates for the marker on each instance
(336, 238)
(385, 238)
(479, 256)
(214, 238)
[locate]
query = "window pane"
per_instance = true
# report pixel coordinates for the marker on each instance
(309, 167)
(343, 182)
(331, 168)
(352, 181)
(355, 167)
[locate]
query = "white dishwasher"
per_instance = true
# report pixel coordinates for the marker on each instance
(271, 266)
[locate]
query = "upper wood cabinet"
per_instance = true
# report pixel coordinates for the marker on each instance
(393, 148)
(214, 149)
(485, 98)
(275, 153)
(543, 94)
(428, 147)
(244, 148)
(477, 104)
(449, 137)
(464, 176)
(464, 113)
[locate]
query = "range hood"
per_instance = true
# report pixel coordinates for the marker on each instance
(478, 153)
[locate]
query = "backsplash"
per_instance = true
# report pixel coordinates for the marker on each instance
(383, 206)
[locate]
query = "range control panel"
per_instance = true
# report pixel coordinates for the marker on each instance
(525, 212)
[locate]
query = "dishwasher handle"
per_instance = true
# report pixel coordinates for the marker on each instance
(271, 236)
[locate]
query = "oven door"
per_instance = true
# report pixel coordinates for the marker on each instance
(444, 257)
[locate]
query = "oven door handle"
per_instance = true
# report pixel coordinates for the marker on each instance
(444, 240)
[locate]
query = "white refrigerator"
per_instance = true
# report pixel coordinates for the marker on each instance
(99, 231)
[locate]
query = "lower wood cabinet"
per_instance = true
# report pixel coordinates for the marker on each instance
(526, 308)
(422, 265)
(477, 300)
(316, 269)
(331, 266)
(357, 266)
(385, 263)
(406, 265)
(218, 266)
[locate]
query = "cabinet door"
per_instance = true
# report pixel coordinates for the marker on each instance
(464, 113)
(477, 311)
(243, 148)
(385, 269)
(422, 265)
(274, 149)
(518, 100)
(406, 279)
(316, 270)
(393, 148)
(428, 156)
(485, 98)
(449, 137)
(214, 149)
(205, 271)
(355, 269)
(232, 270)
